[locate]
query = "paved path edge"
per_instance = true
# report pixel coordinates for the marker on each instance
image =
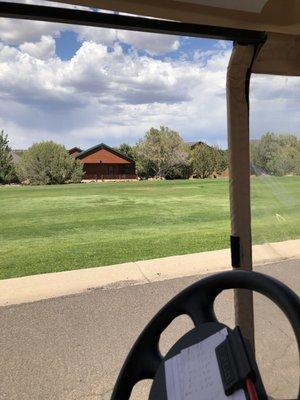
(39, 287)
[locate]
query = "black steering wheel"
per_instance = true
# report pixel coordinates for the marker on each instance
(197, 301)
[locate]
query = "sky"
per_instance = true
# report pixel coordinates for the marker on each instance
(80, 86)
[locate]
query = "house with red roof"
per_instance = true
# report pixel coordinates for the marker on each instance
(102, 162)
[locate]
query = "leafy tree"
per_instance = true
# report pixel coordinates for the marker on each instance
(161, 150)
(297, 159)
(275, 154)
(143, 167)
(207, 160)
(202, 160)
(220, 159)
(7, 169)
(127, 150)
(183, 171)
(48, 163)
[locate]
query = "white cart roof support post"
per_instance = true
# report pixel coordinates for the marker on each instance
(237, 89)
(280, 54)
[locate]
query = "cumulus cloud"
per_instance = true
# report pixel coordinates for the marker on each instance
(15, 32)
(44, 49)
(153, 44)
(104, 93)
(274, 104)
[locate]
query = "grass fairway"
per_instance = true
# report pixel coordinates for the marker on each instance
(57, 228)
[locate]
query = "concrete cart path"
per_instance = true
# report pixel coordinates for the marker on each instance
(72, 347)
(38, 287)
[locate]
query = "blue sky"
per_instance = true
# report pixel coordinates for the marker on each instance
(82, 85)
(67, 45)
(68, 42)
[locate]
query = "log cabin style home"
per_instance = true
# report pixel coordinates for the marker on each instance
(102, 162)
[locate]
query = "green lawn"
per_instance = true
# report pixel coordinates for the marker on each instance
(56, 228)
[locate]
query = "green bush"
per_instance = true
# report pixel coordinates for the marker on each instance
(48, 163)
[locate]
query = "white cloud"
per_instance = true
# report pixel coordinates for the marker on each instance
(152, 43)
(97, 35)
(108, 95)
(222, 44)
(44, 49)
(197, 55)
(15, 32)
(274, 104)
(105, 94)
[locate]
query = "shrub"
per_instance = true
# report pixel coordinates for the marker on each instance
(48, 163)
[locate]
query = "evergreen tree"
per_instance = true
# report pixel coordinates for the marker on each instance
(7, 170)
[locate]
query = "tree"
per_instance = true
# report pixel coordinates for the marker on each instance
(48, 163)
(127, 150)
(143, 167)
(220, 159)
(7, 169)
(183, 171)
(202, 161)
(297, 159)
(275, 154)
(161, 150)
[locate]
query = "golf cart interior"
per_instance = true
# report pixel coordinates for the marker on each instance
(266, 40)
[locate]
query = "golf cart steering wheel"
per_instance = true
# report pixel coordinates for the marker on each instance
(197, 302)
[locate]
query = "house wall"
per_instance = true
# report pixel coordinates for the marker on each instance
(109, 171)
(106, 157)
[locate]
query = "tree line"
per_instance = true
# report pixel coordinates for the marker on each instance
(161, 153)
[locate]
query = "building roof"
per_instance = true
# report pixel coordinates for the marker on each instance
(192, 145)
(73, 149)
(103, 146)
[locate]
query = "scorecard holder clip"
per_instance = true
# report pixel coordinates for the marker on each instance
(236, 362)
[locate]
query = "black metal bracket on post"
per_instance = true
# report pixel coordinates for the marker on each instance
(116, 21)
(235, 251)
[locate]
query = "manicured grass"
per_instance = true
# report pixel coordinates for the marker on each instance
(57, 228)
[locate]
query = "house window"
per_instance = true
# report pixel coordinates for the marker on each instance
(124, 169)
